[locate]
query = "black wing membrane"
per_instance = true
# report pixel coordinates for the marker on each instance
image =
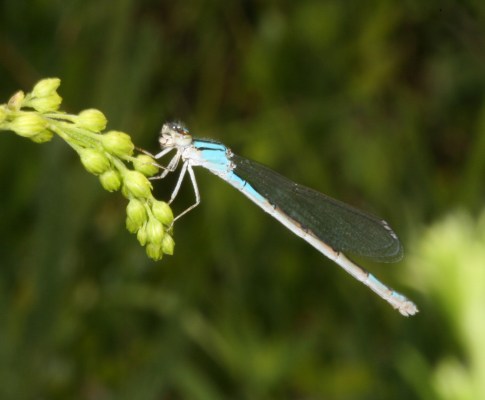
(339, 225)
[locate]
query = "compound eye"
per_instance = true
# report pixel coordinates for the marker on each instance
(180, 129)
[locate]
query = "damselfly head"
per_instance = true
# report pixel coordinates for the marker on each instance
(174, 134)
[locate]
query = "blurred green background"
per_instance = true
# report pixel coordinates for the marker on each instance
(380, 104)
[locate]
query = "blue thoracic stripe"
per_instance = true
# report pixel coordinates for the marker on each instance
(207, 144)
(215, 154)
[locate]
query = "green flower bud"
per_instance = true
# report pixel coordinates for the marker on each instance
(162, 212)
(28, 125)
(145, 164)
(168, 244)
(94, 161)
(3, 115)
(117, 143)
(42, 137)
(16, 101)
(155, 231)
(46, 87)
(135, 184)
(110, 180)
(136, 212)
(131, 226)
(91, 119)
(44, 104)
(154, 251)
(141, 235)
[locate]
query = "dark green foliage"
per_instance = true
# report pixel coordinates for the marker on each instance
(380, 104)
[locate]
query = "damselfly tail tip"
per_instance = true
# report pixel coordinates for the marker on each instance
(408, 308)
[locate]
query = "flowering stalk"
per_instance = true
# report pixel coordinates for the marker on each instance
(36, 116)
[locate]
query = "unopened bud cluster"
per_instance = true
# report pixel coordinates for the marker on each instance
(35, 116)
(150, 221)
